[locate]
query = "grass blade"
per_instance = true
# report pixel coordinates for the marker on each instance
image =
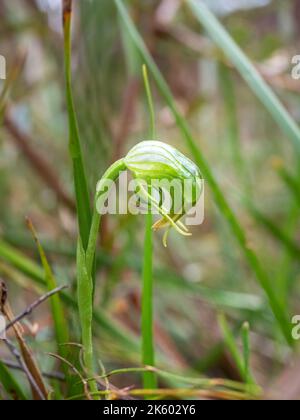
(230, 107)
(247, 70)
(291, 183)
(231, 345)
(278, 233)
(80, 183)
(241, 360)
(10, 384)
(148, 358)
(237, 230)
(61, 327)
(85, 297)
(60, 324)
(21, 262)
(246, 351)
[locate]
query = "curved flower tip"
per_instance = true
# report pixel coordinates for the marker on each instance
(179, 226)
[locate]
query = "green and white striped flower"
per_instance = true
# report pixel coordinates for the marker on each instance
(150, 161)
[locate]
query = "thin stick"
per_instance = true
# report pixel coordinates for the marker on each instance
(32, 307)
(76, 371)
(27, 356)
(12, 348)
(57, 376)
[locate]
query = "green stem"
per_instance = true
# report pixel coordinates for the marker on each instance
(92, 244)
(148, 356)
(85, 275)
(112, 174)
(85, 307)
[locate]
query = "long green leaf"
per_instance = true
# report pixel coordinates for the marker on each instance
(230, 107)
(21, 262)
(237, 230)
(245, 332)
(276, 231)
(80, 183)
(10, 384)
(291, 182)
(241, 360)
(60, 323)
(247, 70)
(85, 297)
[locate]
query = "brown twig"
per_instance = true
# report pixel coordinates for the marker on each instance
(76, 371)
(27, 358)
(33, 306)
(57, 376)
(23, 366)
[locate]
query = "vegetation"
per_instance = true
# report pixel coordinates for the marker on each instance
(113, 306)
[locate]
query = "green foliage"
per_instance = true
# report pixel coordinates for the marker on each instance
(220, 199)
(247, 70)
(241, 359)
(80, 183)
(241, 263)
(11, 384)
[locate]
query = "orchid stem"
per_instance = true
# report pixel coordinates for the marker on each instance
(112, 174)
(148, 353)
